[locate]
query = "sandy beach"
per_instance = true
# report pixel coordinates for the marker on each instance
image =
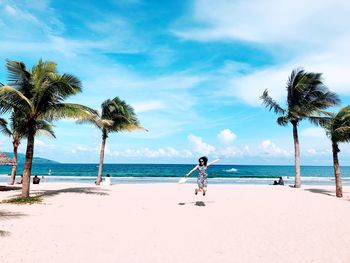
(168, 223)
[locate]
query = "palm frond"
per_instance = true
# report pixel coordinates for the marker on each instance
(307, 95)
(3, 127)
(68, 110)
(320, 121)
(95, 121)
(45, 128)
(126, 127)
(66, 85)
(283, 120)
(18, 75)
(341, 134)
(122, 115)
(11, 98)
(271, 104)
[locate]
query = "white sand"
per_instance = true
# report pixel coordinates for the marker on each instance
(167, 223)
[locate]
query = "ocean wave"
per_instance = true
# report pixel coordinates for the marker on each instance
(232, 170)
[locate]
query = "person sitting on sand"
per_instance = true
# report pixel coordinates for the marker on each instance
(36, 180)
(202, 179)
(107, 180)
(279, 182)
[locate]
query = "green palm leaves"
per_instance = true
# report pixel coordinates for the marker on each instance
(116, 116)
(36, 98)
(306, 95)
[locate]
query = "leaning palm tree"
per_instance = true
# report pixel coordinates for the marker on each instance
(337, 128)
(306, 96)
(116, 116)
(14, 131)
(38, 95)
(16, 139)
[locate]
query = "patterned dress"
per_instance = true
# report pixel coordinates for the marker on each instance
(202, 179)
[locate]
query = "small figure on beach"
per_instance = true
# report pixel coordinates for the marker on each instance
(20, 181)
(36, 180)
(279, 182)
(107, 180)
(202, 179)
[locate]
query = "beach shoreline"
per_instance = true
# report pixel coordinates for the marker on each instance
(168, 223)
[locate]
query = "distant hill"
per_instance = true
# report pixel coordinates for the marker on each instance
(36, 160)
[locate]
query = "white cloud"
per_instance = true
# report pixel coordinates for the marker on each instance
(200, 146)
(167, 152)
(229, 152)
(332, 62)
(40, 143)
(271, 21)
(286, 29)
(226, 136)
(85, 149)
(318, 133)
(267, 147)
(148, 106)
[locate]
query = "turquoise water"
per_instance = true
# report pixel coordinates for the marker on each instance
(159, 173)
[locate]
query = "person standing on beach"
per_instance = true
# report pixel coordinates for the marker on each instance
(202, 179)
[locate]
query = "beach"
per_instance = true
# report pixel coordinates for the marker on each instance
(166, 222)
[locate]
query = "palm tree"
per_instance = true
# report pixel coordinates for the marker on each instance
(37, 97)
(306, 95)
(116, 116)
(337, 128)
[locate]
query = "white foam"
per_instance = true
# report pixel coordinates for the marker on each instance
(232, 170)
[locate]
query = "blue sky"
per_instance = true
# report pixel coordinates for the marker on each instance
(193, 71)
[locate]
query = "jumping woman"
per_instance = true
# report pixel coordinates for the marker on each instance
(202, 179)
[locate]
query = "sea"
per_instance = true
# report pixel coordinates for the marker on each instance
(171, 173)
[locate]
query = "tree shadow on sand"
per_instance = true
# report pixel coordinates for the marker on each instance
(325, 192)
(196, 203)
(5, 215)
(77, 190)
(4, 188)
(320, 191)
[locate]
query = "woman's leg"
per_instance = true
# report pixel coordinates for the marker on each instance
(205, 184)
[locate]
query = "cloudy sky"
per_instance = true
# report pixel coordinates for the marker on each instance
(192, 70)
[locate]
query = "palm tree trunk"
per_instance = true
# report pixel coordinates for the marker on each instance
(337, 174)
(102, 155)
(15, 143)
(296, 156)
(28, 166)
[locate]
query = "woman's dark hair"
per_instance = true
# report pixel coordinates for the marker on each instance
(205, 161)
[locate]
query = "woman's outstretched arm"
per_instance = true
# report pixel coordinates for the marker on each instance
(218, 159)
(194, 169)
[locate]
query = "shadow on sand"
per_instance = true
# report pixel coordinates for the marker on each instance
(320, 191)
(78, 190)
(4, 188)
(326, 192)
(196, 203)
(4, 215)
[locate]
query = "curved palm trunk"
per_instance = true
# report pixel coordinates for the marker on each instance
(15, 143)
(337, 174)
(297, 183)
(102, 155)
(28, 166)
